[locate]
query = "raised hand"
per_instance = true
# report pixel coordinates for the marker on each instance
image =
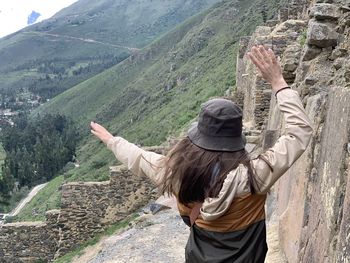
(100, 132)
(268, 66)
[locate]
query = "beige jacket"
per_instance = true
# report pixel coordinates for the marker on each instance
(269, 167)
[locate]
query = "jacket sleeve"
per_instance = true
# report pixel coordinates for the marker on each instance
(137, 160)
(272, 164)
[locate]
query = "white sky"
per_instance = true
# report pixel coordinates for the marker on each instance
(14, 13)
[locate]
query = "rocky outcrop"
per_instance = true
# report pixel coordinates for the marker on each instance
(86, 209)
(311, 201)
(321, 35)
(325, 11)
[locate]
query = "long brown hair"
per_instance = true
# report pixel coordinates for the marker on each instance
(193, 173)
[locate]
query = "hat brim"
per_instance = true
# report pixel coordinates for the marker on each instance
(225, 144)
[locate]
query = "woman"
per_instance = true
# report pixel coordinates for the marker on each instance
(220, 191)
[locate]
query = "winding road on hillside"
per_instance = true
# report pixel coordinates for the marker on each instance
(86, 40)
(26, 200)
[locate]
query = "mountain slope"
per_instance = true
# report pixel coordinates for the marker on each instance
(138, 21)
(154, 93)
(158, 91)
(84, 39)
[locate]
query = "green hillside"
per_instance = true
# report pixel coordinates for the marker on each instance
(158, 91)
(83, 40)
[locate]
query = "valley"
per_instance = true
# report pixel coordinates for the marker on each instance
(45, 59)
(142, 68)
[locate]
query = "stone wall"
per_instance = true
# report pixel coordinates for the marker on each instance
(257, 93)
(86, 209)
(26, 242)
(311, 201)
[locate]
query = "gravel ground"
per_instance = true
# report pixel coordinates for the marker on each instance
(156, 238)
(159, 238)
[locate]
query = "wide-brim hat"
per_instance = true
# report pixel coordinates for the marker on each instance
(219, 127)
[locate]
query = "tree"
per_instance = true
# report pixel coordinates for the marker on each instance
(36, 150)
(7, 183)
(264, 12)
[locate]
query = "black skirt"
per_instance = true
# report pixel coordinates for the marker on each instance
(243, 246)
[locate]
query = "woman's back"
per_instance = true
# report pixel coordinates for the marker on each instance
(235, 220)
(231, 227)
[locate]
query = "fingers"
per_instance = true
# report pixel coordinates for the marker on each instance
(96, 127)
(272, 56)
(258, 57)
(100, 132)
(254, 59)
(263, 59)
(92, 125)
(265, 55)
(262, 55)
(258, 54)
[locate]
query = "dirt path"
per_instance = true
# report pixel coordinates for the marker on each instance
(159, 238)
(87, 40)
(26, 200)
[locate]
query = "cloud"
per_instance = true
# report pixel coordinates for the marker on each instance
(14, 14)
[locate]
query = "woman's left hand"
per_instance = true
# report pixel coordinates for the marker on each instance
(268, 66)
(100, 132)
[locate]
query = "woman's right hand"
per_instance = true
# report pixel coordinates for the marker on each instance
(268, 66)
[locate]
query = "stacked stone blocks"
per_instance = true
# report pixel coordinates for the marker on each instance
(86, 209)
(311, 201)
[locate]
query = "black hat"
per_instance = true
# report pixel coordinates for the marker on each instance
(219, 127)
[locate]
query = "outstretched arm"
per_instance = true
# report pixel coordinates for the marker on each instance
(272, 164)
(139, 161)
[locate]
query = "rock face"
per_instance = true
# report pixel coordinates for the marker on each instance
(312, 200)
(325, 11)
(257, 94)
(86, 209)
(321, 35)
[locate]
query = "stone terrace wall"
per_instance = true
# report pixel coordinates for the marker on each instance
(86, 209)
(313, 197)
(26, 242)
